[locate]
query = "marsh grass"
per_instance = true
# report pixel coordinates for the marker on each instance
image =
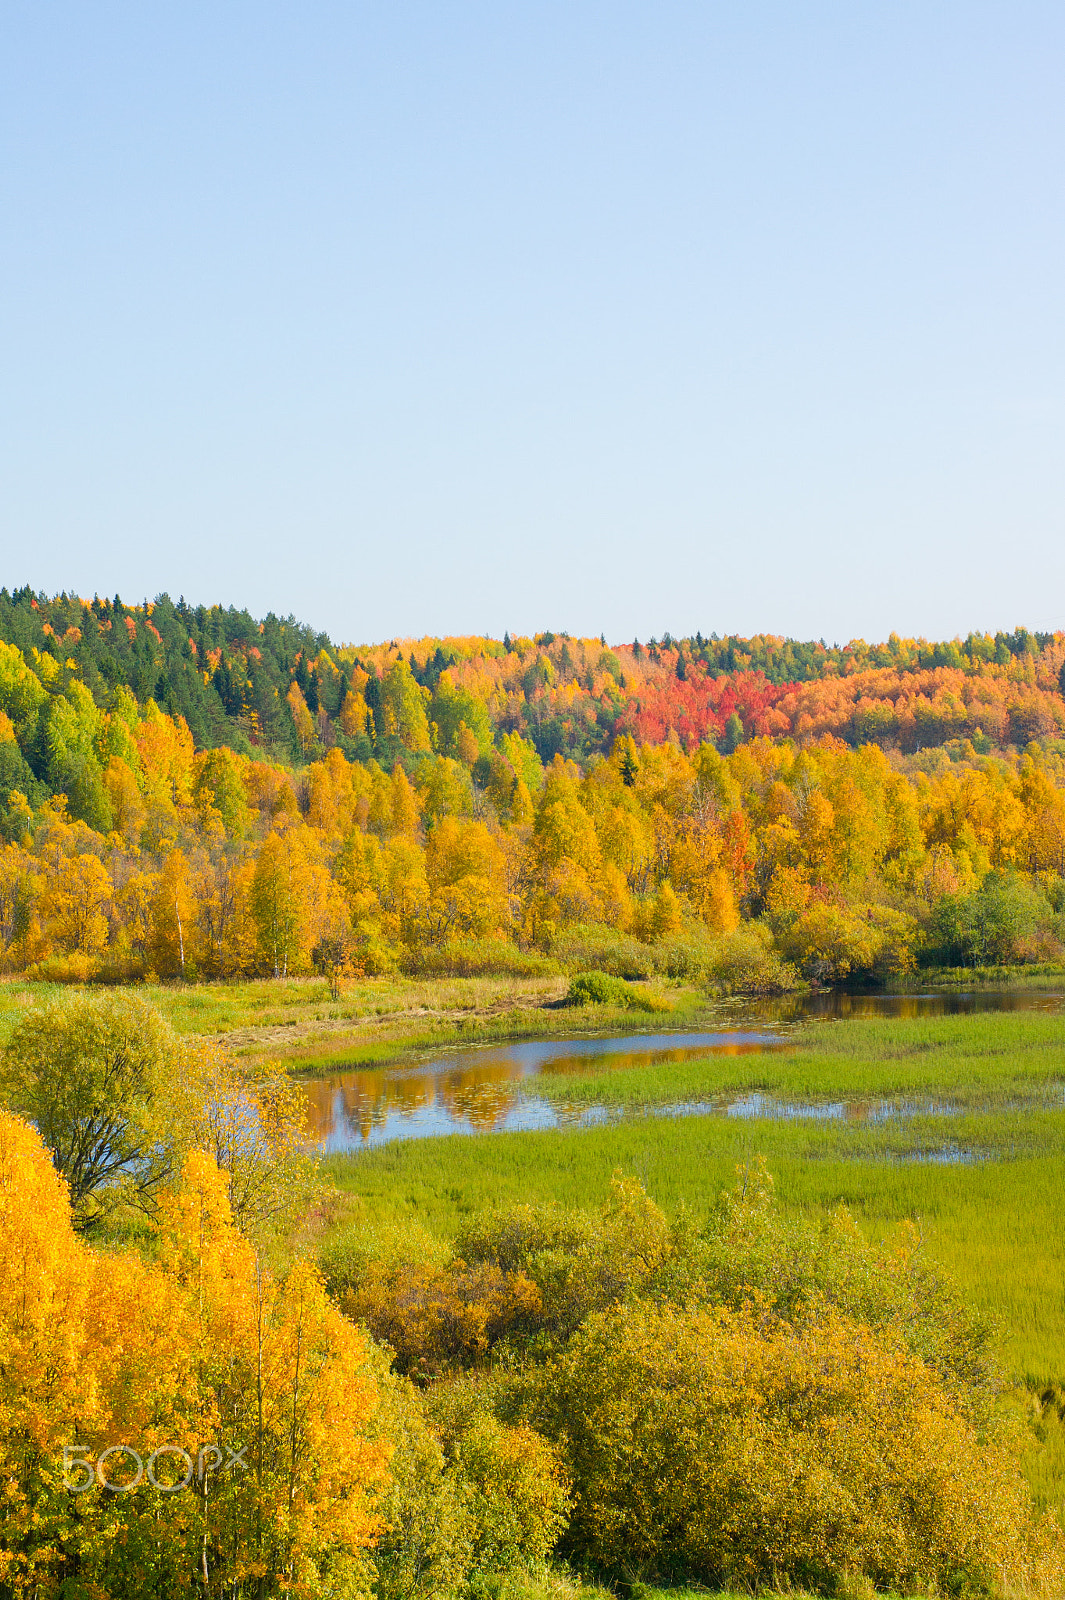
(377, 1020)
(986, 1059)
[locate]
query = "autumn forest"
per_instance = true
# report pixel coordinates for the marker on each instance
(192, 793)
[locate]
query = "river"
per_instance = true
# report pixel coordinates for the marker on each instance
(490, 1088)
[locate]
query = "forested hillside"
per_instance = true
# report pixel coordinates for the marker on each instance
(245, 683)
(191, 791)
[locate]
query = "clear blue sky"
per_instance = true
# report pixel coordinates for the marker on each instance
(460, 317)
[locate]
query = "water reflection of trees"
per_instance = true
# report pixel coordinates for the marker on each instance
(476, 1094)
(889, 1007)
(358, 1102)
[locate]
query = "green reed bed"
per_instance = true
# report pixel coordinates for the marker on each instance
(1045, 975)
(983, 1059)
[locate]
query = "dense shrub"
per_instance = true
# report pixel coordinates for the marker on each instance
(751, 1250)
(516, 1487)
(515, 1238)
(832, 943)
(597, 947)
(756, 1400)
(1007, 919)
(729, 1446)
(345, 1258)
(742, 962)
(477, 958)
(438, 1318)
(467, 1495)
(426, 1547)
(600, 989)
(687, 955)
(578, 1262)
(745, 962)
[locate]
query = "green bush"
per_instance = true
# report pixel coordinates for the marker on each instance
(754, 1401)
(579, 1262)
(350, 1253)
(743, 962)
(687, 955)
(751, 1249)
(514, 1237)
(600, 989)
(375, 957)
(999, 924)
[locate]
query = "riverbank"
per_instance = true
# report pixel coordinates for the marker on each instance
(381, 1020)
(394, 1017)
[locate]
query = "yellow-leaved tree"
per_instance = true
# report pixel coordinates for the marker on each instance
(172, 939)
(293, 899)
(46, 1382)
(466, 871)
(186, 1425)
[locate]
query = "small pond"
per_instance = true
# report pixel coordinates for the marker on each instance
(490, 1089)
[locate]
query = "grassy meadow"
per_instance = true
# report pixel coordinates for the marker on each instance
(996, 1225)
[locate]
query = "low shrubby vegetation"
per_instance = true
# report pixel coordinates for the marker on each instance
(600, 989)
(748, 1402)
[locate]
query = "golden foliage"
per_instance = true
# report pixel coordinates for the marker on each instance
(435, 1318)
(202, 1348)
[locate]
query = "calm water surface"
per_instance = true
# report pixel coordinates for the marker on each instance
(488, 1089)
